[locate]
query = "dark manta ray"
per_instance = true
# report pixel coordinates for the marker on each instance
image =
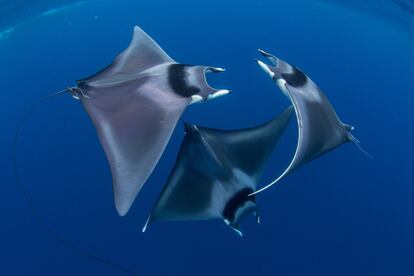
(215, 172)
(320, 129)
(135, 104)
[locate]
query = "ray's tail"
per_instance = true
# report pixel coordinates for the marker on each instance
(48, 229)
(358, 144)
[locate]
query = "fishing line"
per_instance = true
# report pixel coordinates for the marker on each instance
(48, 229)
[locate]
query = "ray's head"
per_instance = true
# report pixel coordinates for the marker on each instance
(240, 205)
(282, 72)
(190, 81)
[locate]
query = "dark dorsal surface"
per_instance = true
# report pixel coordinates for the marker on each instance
(215, 172)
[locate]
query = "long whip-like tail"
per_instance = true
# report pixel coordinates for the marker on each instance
(48, 229)
(358, 144)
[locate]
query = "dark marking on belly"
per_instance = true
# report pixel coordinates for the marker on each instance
(177, 79)
(237, 201)
(296, 79)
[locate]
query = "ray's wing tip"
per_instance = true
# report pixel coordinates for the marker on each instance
(122, 206)
(121, 212)
(138, 29)
(144, 229)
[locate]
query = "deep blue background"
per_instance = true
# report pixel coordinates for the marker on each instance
(342, 214)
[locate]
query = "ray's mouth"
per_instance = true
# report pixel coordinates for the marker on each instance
(212, 92)
(217, 92)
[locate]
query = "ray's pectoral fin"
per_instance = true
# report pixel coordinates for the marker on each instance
(249, 149)
(142, 54)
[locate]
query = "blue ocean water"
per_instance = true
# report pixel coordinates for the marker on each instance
(342, 214)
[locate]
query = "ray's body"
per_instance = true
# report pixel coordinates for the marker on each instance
(320, 129)
(215, 172)
(135, 104)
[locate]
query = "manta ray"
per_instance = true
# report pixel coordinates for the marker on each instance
(215, 172)
(135, 104)
(320, 129)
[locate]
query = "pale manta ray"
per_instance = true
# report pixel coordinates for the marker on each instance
(135, 104)
(215, 172)
(320, 129)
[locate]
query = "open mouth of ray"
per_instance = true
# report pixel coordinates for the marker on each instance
(218, 92)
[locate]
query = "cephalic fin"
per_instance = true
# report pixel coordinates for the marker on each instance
(196, 99)
(257, 217)
(237, 231)
(218, 94)
(227, 222)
